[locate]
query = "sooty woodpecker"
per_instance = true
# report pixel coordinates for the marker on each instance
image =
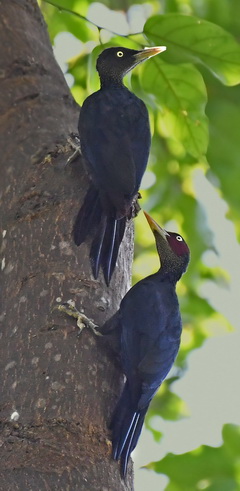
(149, 324)
(115, 141)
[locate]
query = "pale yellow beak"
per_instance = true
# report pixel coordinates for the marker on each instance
(146, 53)
(155, 227)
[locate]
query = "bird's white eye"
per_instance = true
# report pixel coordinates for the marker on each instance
(179, 238)
(119, 54)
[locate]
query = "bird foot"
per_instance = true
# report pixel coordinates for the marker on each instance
(74, 142)
(82, 320)
(136, 206)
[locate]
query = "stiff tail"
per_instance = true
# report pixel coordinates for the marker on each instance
(112, 240)
(106, 232)
(126, 426)
(88, 217)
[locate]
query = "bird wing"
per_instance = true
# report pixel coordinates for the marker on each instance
(115, 140)
(151, 329)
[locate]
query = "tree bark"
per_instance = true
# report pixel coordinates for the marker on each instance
(58, 389)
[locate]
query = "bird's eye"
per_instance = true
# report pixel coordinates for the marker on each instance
(119, 54)
(179, 238)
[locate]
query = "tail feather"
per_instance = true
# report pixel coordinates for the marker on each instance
(106, 232)
(126, 426)
(138, 429)
(97, 246)
(88, 217)
(122, 439)
(112, 241)
(109, 241)
(128, 447)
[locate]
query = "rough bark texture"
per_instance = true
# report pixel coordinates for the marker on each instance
(58, 389)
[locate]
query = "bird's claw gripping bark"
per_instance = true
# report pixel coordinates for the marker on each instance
(74, 142)
(82, 320)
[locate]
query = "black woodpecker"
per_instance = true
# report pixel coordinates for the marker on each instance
(149, 326)
(115, 142)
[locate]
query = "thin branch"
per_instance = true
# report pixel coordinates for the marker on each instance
(80, 16)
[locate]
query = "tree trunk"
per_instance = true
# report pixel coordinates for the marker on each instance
(58, 389)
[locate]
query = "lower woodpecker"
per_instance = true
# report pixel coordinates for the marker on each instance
(149, 326)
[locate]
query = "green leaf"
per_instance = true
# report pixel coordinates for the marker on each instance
(181, 94)
(67, 18)
(78, 68)
(224, 150)
(225, 14)
(167, 404)
(210, 468)
(231, 437)
(192, 39)
(194, 304)
(157, 435)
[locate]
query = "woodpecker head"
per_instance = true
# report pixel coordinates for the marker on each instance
(172, 249)
(114, 63)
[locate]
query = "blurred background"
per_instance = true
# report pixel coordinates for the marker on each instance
(191, 439)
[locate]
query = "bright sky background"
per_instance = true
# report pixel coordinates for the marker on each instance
(209, 385)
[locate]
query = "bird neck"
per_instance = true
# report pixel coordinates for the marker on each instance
(172, 266)
(111, 82)
(168, 272)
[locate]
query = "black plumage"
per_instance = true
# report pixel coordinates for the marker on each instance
(115, 141)
(149, 325)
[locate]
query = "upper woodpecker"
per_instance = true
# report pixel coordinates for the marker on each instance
(115, 142)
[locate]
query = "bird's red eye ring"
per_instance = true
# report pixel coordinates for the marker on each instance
(120, 54)
(179, 238)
